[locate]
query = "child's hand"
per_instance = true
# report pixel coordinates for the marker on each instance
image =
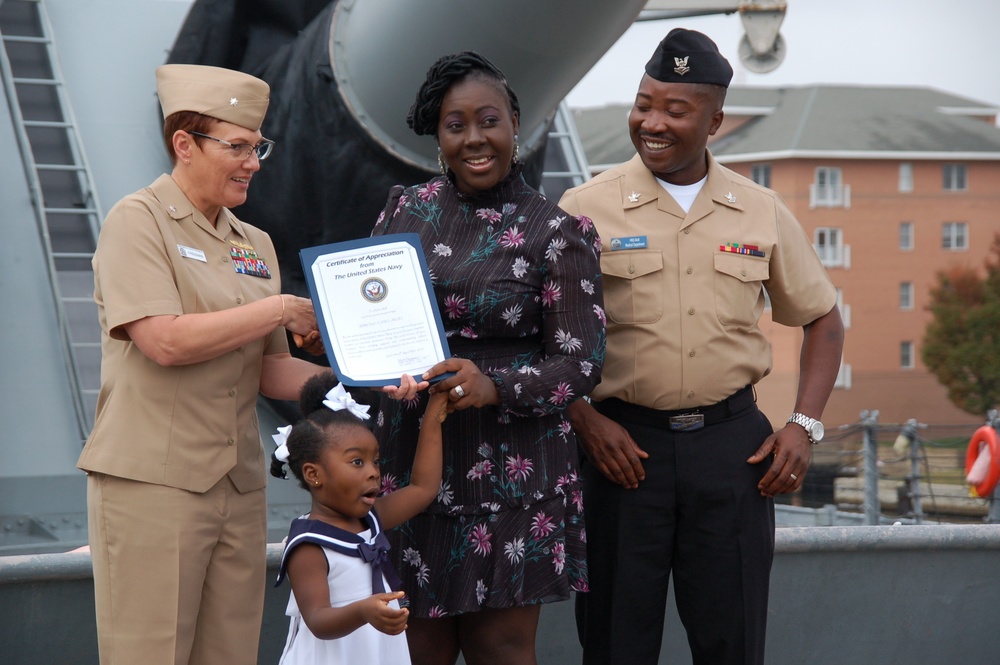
(406, 390)
(383, 618)
(438, 407)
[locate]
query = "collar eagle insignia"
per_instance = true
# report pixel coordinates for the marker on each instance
(634, 197)
(233, 101)
(730, 197)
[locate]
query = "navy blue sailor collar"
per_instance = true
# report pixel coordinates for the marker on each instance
(374, 551)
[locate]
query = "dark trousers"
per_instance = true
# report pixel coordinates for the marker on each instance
(698, 515)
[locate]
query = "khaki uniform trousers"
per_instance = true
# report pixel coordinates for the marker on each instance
(179, 576)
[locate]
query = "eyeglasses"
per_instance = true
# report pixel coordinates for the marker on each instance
(241, 151)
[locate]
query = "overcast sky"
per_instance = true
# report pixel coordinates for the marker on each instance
(950, 46)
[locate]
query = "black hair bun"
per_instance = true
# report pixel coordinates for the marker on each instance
(278, 468)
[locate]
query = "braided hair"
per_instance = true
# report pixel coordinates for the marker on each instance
(447, 71)
(310, 436)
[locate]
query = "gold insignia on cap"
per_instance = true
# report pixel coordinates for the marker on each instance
(634, 197)
(682, 65)
(730, 197)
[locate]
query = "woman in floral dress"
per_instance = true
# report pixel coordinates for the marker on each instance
(518, 284)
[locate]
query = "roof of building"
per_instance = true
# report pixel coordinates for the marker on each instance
(822, 120)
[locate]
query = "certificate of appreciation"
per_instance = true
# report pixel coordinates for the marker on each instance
(375, 308)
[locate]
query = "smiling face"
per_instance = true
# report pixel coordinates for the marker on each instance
(476, 133)
(345, 481)
(207, 171)
(670, 124)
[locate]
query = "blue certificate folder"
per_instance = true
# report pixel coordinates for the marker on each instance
(376, 309)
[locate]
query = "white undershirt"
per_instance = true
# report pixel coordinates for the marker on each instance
(683, 194)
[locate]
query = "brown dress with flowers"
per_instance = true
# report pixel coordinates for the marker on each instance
(518, 285)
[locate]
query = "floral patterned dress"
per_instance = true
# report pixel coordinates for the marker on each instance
(518, 284)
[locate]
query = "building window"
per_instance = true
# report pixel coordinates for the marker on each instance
(906, 177)
(829, 246)
(828, 191)
(954, 177)
(906, 295)
(906, 355)
(845, 310)
(954, 236)
(761, 174)
(906, 236)
(843, 376)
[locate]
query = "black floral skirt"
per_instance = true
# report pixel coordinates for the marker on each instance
(452, 564)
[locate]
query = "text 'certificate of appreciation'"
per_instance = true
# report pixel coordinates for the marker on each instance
(375, 308)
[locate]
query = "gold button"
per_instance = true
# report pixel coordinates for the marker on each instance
(691, 353)
(631, 270)
(231, 442)
(239, 301)
(686, 231)
(691, 311)
(232, 393)
(225, 259)
(743, 272)
(690, 270)
(690, 394)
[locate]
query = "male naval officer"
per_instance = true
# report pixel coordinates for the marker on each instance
(681, 466)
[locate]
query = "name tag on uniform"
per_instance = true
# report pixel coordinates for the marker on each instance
(191, 253)
(631, 242)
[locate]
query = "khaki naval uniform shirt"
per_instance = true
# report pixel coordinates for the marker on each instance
(682, 314)
(186, 426)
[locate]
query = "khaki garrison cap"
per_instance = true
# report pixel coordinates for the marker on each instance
(223, 94)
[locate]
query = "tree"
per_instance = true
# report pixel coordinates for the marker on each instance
(962, 342)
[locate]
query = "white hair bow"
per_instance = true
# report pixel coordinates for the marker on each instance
(281, 438)
(338, 398)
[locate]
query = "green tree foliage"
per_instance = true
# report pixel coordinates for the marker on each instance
(962, 343)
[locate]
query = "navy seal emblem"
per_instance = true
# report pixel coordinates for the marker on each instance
(374, 289)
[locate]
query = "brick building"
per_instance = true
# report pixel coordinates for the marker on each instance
(893, 185)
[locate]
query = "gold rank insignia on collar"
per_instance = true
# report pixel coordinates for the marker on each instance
(730, 197)
(634, 197)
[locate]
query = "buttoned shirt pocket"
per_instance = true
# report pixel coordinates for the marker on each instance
(633, 285)
(739, 297)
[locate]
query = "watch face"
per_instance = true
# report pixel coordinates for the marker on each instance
(817, 430)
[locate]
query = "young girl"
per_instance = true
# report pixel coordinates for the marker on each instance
(344, 606)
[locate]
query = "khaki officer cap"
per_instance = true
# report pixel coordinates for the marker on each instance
(223, 94)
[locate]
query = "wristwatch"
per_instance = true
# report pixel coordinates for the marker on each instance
(814, 428)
